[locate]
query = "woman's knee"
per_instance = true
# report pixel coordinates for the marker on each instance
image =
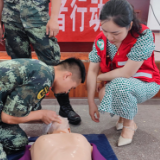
(120, 85)
(101, 93)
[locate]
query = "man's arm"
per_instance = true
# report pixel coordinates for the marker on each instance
(1, 8)
(1, 29)
(33, 116)
(52, 27)
(56, 4)
(46, 116)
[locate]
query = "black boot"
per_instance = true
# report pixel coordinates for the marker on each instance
(66, 109)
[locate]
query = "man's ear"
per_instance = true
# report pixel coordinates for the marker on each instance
(67, 74)
(69, 130)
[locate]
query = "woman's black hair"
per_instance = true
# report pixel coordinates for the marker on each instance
(122, 13)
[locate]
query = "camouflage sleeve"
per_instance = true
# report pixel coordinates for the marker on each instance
(24, 98)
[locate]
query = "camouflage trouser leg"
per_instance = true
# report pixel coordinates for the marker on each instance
(3, 155)
(47, 49)
(17, 42)
(12, 137)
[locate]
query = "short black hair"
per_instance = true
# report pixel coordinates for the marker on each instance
(75, 66)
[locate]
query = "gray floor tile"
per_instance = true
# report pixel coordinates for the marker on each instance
(146, 142)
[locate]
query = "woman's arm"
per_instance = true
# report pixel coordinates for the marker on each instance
(127, 71)
(91, 87)
(91, 80)
(93, 71)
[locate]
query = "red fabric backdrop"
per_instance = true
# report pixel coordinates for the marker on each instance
(79, 23)
(79, 20)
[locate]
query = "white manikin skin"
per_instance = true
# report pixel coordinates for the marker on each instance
(60, 144)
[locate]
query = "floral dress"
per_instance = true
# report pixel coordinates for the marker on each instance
(123, 94)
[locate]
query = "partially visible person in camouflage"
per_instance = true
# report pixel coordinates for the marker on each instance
(23, 84)
(27, 22)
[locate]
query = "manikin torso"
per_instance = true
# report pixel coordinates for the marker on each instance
(61, 145)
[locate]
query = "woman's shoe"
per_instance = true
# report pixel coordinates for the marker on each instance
(119, 126)
(124, 141)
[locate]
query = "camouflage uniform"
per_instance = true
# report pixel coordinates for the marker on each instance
(25, 22)
(23, 84)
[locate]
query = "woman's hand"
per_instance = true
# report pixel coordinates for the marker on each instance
(94, 113)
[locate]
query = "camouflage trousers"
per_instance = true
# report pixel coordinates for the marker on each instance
(18, 42)
(12, 139)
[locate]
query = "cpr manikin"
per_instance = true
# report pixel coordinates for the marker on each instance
(61, 144)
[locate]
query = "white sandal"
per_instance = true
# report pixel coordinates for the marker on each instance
(124, 141)
(119, 126)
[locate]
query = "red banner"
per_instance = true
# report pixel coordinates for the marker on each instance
(79, 20)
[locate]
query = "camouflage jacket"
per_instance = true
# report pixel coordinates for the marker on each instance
(23, 84)
(26, 13)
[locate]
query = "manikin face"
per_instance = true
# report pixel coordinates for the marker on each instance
(113, 32)
(66, 83)
(62, 127)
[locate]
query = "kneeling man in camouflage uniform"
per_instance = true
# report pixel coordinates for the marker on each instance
(23, 85)
(27, 22)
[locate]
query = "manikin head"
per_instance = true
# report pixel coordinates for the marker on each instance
(60, 144)
(68, 74)
(117, 19)
(62, 127)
